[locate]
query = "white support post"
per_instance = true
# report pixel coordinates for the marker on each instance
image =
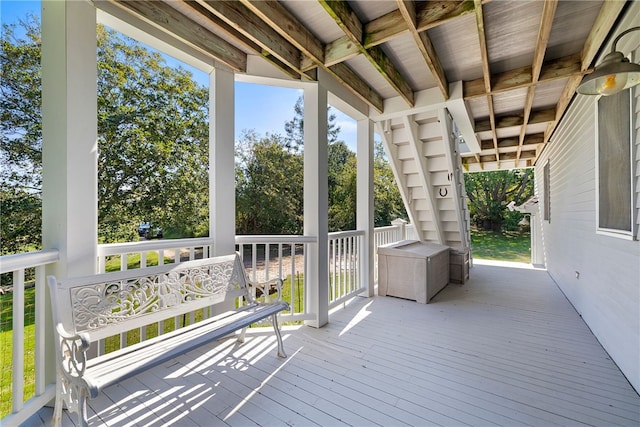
(69, 142)
(316, 202)
(365, 209)
(222, 197)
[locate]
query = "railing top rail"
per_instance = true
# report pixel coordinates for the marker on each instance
(349, 233)
(386, 228)
(9, 263)
(118, 248)
(249, 239)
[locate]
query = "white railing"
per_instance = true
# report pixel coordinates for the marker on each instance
(284, 257)
(136, 254)
(345, 266)
(21, 266)
(265, 257)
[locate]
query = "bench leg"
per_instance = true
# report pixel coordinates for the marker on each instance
(274, 321)
(56, 420)
(241, 335)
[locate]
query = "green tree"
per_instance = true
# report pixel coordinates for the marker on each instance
(490, 192)
(269, 186)
(20, 138)
(294, 128)
(342, 174)
(388, 202)
(153, 143)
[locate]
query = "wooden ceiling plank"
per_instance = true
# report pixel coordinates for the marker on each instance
(544, 31)
(164, 16)
(347, 19)
(250, 25)
(408, 11)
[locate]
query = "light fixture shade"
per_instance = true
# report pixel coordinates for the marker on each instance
(615, 74)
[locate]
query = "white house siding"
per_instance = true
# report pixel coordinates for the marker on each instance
(599, 274)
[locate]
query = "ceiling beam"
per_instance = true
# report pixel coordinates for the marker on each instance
(501, 122)
(281, 20)
(168, 19)
(486, 76)
(204, 17)
(555, 69)
(347, 19)
(544, 31)
(430, 15)
(529, 140)
(248, 24)
(408, 10)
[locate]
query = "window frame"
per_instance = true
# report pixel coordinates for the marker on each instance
(628, 106)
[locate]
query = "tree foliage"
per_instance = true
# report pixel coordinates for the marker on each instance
(20, 137)
(294, 128)
(152, 142)
(490, 192)
(269, 186)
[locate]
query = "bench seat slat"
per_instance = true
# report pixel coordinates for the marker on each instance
(102, 372)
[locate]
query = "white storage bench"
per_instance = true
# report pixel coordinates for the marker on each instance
(413, 270)
(89, 309)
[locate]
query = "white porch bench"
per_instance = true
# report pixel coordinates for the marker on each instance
(92, 308)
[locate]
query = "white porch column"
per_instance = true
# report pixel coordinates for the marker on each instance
(69, 148)
(69, 134)
(222, 196)
(316, 202)
(365, 209)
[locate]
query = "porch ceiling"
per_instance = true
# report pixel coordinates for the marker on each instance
(520, 61)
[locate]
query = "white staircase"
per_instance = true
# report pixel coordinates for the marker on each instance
(423, 153)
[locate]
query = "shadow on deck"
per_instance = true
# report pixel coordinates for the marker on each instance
(506, 349)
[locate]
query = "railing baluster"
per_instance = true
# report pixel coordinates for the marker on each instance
(18, 340)
(40, 326)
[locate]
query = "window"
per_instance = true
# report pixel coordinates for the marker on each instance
(614, 165)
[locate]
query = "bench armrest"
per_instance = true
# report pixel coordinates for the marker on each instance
(73, 351)
(262, 291)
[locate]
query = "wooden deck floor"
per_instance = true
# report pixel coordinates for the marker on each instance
(505, 349)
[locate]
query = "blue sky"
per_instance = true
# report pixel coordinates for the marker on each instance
(258, 107)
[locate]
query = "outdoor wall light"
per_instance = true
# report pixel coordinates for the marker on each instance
(613, 75)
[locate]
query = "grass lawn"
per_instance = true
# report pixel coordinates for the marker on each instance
(505, 246)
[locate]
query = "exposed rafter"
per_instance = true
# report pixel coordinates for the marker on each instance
(544, 31)
(486, 80)
(606, 19)
(408, 10)
(562, 68)
(167, 18)
(346, 18)
(282, 21)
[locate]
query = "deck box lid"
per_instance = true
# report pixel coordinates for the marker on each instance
(412, 249)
